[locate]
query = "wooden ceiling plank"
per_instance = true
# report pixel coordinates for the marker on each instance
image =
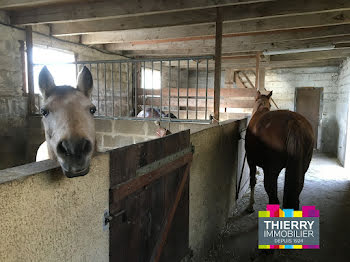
(148, 27)
(277, 36)
(118, 8)
(15, 4)
(207, 46)
(316, 55)
(162, 12)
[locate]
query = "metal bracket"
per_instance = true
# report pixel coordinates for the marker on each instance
(107, 218)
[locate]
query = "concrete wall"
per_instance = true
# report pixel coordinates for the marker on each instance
(342, 113)
(213, 183)
(48, 217)
(117, 133)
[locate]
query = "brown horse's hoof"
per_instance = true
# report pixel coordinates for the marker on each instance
(250, 209)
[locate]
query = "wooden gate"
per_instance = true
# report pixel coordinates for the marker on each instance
(149, 200)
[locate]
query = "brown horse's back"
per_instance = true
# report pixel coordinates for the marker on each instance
(273, 127)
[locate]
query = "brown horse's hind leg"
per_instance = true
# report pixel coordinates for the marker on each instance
(252, 174)
(270, 184)
(293, 185)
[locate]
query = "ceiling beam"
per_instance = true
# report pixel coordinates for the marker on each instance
(229, 45)
(151, 28)
(261, 37)
(159, 14)
(284, 64)
(13, 4)
(317, 55)
(112, 9)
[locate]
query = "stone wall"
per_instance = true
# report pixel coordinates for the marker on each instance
(13, 102)
(341, 122)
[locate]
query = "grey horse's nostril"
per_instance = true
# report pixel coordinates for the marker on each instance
(84, 146)
(64, 148)
(74, 147)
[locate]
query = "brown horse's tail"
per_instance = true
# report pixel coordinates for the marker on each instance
(299, 144)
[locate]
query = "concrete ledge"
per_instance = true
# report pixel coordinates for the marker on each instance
(19, 172)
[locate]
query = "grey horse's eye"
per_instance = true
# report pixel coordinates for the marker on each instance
(93, 110)
(44, 112)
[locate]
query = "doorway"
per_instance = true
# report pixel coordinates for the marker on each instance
(307, 103)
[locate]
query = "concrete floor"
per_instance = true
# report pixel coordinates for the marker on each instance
(327, 185)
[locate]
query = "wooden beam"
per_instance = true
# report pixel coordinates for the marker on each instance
(204, 47)
(14, 4)
(29, 47)
(128, 187)
(239, 81)
(248, 44)
(229, 77)
(112, 9)
(246, 77)
(151, 29)
(225, 92)
(136, 13)
(217, 73)
(257, 71)
(200, 103)
(136, 37)
(289, 63)
(262, 78)
(317, 55)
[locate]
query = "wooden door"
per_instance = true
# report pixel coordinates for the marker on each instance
(307, 103)
(149, 200)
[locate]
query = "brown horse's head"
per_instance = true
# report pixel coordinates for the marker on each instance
(262, 101)
(68, 122)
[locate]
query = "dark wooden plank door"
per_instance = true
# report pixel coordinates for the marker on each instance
(138, 218)
(308, 104)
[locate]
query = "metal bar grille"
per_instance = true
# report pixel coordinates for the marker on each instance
(170, 89)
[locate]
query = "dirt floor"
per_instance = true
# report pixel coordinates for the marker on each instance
(327, 185)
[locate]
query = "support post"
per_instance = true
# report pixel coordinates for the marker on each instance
(29, 47)
(262, 79)
(217, 78)
(257, 71)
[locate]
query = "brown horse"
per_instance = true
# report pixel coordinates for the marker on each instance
(68, 122)
(276, 140)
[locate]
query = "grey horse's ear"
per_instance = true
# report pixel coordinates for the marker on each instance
(46, 82)
(85, 82)
(270, 94)
(258, 94)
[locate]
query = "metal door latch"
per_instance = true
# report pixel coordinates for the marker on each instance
(107, 218)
